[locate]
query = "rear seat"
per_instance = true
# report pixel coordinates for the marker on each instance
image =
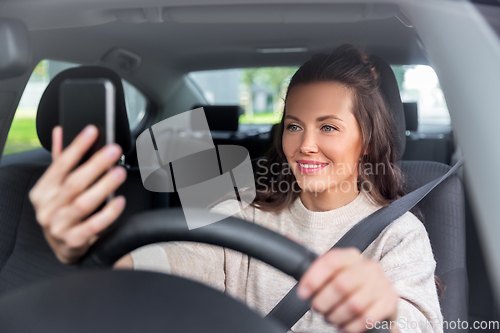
(223, 124)
(437, 147)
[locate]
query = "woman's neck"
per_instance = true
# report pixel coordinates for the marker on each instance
(325, 201)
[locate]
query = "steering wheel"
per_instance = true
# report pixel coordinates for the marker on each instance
(101, 300)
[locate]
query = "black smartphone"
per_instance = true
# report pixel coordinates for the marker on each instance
(83, 102)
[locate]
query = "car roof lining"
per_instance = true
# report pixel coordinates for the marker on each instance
(172, 49)
(189, 40)
(79, 13)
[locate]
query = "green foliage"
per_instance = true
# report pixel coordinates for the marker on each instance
(41, 71)
(260, 118)
(271, 77)
(22, 136)
(274, 78)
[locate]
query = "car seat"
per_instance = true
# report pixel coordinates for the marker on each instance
(443, 209)
(223, 121)
(436, 147)
(221, 118)
(25, 256)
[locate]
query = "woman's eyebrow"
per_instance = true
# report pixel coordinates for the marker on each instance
(317, 119)
(292, 117)
(328, 117)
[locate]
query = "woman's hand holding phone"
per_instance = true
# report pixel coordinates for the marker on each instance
(64, 198)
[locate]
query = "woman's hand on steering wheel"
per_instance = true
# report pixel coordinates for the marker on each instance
(349, 290)
(64, 198)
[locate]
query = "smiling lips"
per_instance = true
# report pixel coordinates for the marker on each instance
(308, 166)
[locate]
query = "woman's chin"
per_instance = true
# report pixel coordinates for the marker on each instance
(317, 185)
(308, 185)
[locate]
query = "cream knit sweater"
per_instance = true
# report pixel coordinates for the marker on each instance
(403, 249)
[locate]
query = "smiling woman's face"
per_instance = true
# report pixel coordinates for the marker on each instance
(322, 140)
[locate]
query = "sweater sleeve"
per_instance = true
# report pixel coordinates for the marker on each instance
(200, 262)
(408, 261)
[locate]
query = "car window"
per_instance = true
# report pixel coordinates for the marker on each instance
(22, 134)
(260, 91)
(419, 83)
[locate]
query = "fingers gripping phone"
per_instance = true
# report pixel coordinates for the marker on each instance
(83, 102)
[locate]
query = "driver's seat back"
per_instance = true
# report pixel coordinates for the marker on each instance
(25, 256)
(443, 213)
(442, 210)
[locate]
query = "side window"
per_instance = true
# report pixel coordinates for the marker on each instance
(136, 104)
(22, 134)
(419, 84)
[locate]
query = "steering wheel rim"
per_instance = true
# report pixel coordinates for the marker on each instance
(169, 224)
(160, 226)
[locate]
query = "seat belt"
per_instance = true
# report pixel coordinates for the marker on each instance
(291, 308)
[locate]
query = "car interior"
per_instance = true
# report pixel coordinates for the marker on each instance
(155, 48)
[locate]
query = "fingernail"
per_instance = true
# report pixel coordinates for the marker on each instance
(303, 292)
(89, 131)
(119, 173)
(113, 151)
(120, 202)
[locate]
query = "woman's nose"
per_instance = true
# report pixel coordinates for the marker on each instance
(309, 145)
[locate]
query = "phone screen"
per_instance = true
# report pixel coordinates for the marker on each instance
(84, 102)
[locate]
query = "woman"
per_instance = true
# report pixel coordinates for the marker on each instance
(335, 154)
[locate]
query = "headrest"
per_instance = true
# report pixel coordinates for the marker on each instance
(47, 116)
(390, 91)
(411, 116)
(221, 117)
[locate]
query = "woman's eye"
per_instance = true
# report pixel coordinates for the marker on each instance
(292, 127)
(328, 128)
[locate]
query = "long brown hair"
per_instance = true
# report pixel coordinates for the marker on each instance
(352, 68)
